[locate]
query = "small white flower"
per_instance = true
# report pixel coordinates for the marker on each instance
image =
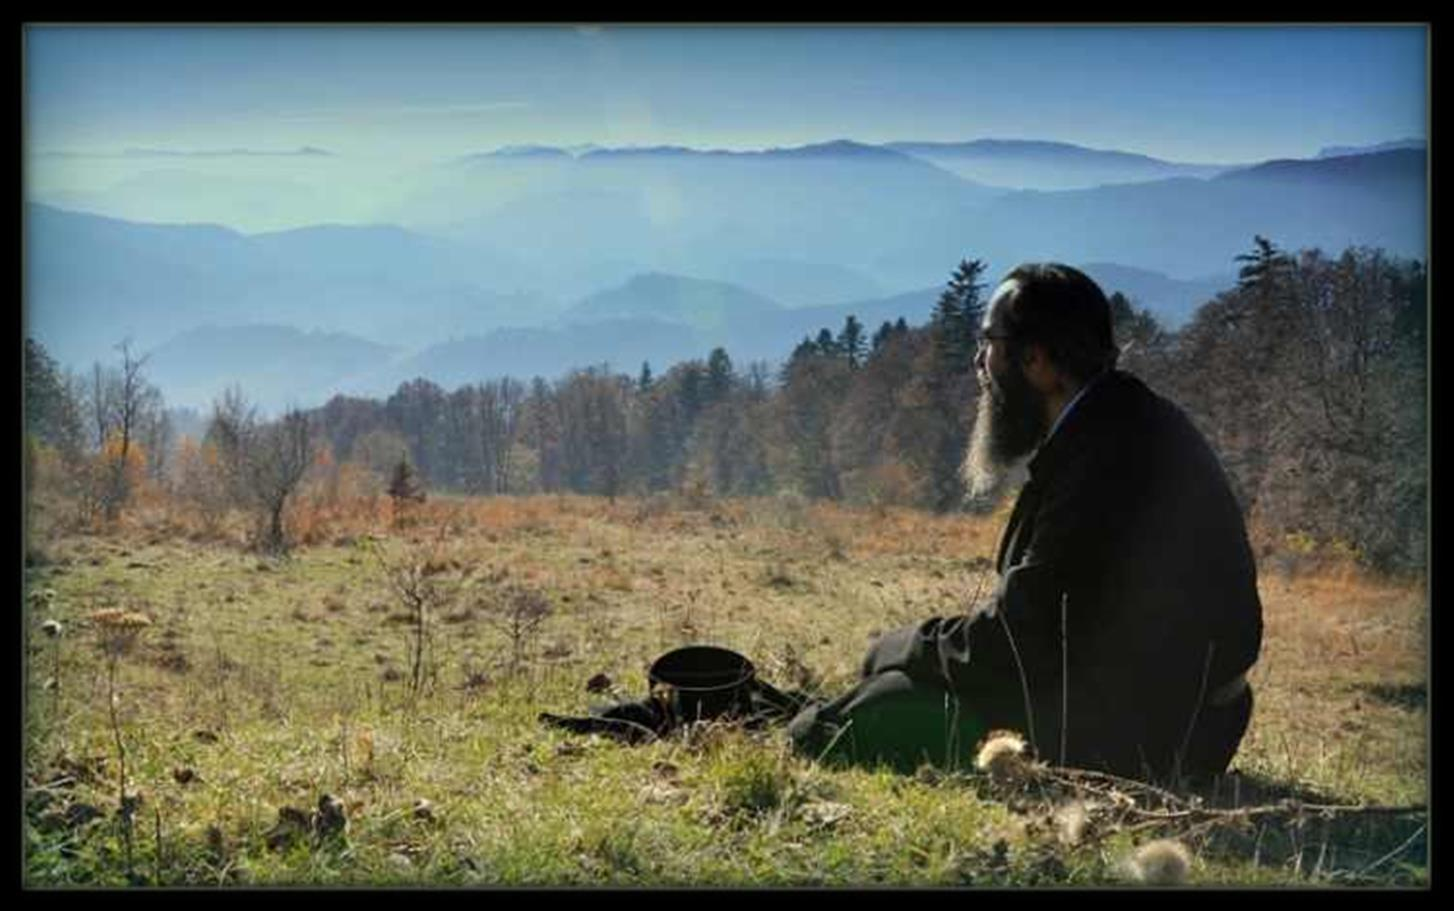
(52, 628)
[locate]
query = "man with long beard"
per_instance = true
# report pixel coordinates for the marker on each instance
(1126, 614)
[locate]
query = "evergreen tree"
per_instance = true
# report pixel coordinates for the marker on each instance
(719, 375)
(1265, 265)
(805, 349)
(643, 382)
(827, 345)
(850, 342)
(405, 486)
(957, 316)
(52, 413)
(880, 337)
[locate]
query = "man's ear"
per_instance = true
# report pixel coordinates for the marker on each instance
(1038, 368)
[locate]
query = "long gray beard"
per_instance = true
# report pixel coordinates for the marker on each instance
(1000, 444)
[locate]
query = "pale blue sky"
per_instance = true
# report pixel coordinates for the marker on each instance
(1197, 94)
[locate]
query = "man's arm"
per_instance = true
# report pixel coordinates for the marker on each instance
(1012, 654)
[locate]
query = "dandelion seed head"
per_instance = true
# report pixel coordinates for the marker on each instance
(1002, 755)
(1071, 821)
(1165, 862)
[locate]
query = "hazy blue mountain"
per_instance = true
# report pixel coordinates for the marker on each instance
(301, 151)
(1038, 165)
(1172, 300)
(91, 281)
(775, 335)
(1396, 171)
(691, 212)
(795, 283)
(1337, 151)
(705, 305)
(276, 366)
(625, 343)
(176, 194)
(1186, 227)
(551, 353)
(692, 248)
(530, 151)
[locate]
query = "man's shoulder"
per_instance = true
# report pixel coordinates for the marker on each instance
(1122, 421)
(1124, 397)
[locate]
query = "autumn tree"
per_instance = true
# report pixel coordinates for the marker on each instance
(814, 381)
(120, 403)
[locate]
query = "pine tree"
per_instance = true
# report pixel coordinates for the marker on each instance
(719, 375)
(881, 337)
(1265, 265)
(405, 484)
(643, 382)
(850, 342)
(957, 317)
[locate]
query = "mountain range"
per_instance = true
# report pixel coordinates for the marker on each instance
(528, 261)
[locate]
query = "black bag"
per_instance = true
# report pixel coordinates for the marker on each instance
(689, 684)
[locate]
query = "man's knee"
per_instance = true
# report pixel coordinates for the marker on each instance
(887, 718)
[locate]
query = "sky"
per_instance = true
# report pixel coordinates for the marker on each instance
(413, 94)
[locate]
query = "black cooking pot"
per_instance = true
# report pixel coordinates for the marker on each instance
(703, 681)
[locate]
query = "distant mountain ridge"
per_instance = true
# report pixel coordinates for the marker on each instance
(277, 366)
(675, 252)
(1389, 165)
(1044, 165)
(1339, 151)
(701, 304)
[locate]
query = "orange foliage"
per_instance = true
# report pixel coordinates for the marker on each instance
(135, 457)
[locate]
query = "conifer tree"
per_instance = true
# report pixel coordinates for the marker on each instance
(957, 317)
(719, 375)
(405, 486)
(880, 337)
(850, 342)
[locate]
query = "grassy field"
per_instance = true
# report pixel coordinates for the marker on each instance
(271, 734)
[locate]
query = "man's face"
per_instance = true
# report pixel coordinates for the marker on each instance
(1010, 420)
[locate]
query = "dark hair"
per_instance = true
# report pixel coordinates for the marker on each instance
(1062, 309)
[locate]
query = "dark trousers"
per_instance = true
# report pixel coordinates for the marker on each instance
(889, 719)
(901, 715)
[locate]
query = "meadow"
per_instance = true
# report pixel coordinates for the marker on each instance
(279, 721)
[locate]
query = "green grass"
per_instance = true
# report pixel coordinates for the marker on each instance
(275, 682)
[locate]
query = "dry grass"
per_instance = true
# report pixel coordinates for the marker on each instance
(273, 682)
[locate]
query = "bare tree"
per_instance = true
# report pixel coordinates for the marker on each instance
(120, 403)
(231, 432)
(157, 435)
(424, 583)
(281, 455)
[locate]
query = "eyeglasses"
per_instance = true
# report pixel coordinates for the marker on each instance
(983, 340)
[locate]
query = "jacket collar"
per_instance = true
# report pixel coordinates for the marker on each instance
(1072, 422)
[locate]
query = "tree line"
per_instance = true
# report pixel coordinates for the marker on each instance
(1308, 376)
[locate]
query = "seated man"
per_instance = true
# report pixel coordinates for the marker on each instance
(1126, 614)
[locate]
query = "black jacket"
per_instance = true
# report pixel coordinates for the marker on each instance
(1129, 529)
